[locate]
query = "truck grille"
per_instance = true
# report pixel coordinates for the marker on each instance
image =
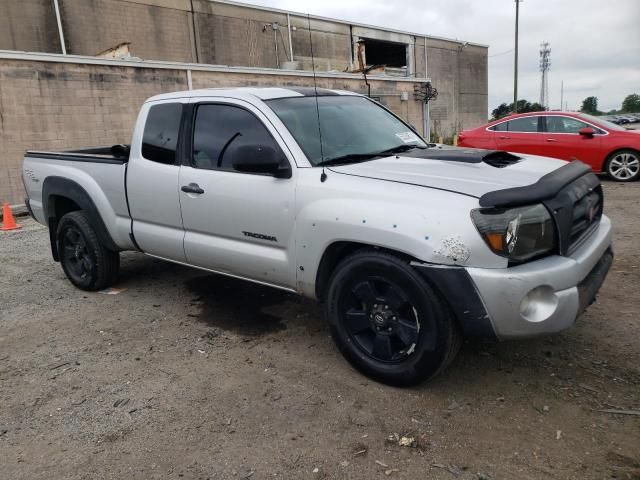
(577, 210)
(586, 217)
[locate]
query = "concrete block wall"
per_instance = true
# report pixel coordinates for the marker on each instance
(222, 33)
(242, 36)
(195, 31)
(156, 30)
(331, 44)
(229, 35)
(460, 75)
(28, 25)
(56, 106)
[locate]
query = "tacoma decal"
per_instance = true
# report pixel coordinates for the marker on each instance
(260, 236)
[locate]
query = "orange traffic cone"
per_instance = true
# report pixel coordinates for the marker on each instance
(8, 222)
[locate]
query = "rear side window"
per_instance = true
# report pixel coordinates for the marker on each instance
(501, 127)
(160, 138)
(524, 124)
(220, 132)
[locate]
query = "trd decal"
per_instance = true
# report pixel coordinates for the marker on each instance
(260, 236)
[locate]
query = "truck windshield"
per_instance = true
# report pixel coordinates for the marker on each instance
(353, 128)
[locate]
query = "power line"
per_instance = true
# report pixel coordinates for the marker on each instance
(502, 53)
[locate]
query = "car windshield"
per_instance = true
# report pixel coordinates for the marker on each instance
(352, 128)
(603, 122)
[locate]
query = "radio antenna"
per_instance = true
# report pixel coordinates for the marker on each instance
(323, 175)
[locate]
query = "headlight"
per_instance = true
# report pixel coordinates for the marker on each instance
(518, 234)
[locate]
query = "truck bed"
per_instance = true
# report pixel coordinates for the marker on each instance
(95, 155)
(99, 171)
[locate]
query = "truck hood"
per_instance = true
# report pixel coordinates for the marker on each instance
(471, 172)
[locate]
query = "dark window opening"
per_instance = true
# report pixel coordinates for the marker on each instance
(223, 132)
(389, 54)
(160, 137)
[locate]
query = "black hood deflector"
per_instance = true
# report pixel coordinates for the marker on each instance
(546, 188)
(495, 158)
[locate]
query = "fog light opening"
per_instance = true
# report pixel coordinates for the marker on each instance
(539, 304)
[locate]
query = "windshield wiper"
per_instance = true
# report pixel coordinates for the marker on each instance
(401, 148)
(361, 157)
(350, 158)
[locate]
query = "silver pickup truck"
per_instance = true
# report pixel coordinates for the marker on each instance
(328, 194)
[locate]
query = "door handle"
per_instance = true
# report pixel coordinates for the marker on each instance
(192, 188)
(504, 138)
(551, 140)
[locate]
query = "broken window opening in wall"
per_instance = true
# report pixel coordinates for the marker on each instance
(390, 57)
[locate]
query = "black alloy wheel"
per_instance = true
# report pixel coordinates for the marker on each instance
(75, 255)
(381, 320)
(88, 264)
(387, 321)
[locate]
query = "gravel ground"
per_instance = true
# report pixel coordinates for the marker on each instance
(184, 374)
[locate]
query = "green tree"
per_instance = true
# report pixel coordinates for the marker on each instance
(590, 105)
(524, 106)
(631, 103)
(536, 107)
(500, 111)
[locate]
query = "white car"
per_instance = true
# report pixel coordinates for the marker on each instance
(329, 195)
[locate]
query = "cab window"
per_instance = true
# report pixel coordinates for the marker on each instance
(161, 131)
(221, 131)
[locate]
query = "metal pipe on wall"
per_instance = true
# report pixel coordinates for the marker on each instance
(275, 43)
(59, 22)
(425, 106)
(290, 41)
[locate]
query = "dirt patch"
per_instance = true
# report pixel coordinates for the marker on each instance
(188, 375)
(236, 305)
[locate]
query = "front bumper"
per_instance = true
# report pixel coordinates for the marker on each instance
(546, 295)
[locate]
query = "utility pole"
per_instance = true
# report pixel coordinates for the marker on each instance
(515, 66)
(561, 94)
(545, 64)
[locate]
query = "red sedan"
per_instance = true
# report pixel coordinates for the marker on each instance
(605, 146)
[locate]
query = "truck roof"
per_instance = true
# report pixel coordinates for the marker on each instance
(263, 93)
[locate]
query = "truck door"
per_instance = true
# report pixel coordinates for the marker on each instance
(152, 180)
(237, 222)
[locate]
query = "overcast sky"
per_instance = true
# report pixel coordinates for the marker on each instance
(595, 44)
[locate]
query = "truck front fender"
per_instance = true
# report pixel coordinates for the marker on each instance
(405, 229)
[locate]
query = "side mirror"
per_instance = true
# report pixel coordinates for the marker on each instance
(260, 159)
(587, 132)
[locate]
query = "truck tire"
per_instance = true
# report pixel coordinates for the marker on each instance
(85, 261)
(387, 321)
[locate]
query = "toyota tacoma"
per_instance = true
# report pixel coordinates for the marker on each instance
(326, 193)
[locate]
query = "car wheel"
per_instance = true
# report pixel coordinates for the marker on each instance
(623, 165)
(387, 321)
(85, 261)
